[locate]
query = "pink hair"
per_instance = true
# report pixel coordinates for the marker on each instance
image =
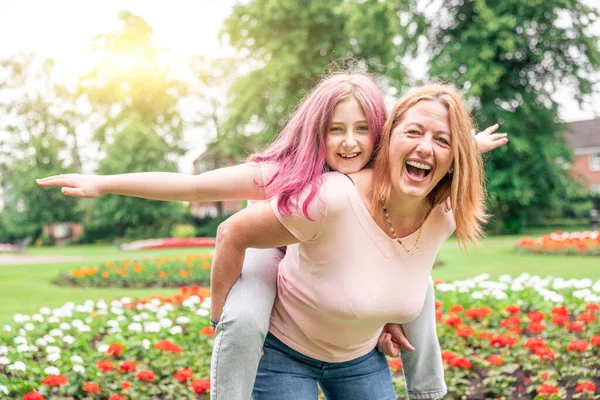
(299, 151)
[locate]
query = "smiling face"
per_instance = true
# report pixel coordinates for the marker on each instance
(420, 150)
(349, 142)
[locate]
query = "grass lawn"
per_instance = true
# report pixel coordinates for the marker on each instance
(27, 288)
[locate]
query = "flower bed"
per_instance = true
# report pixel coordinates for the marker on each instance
(168, 243)
(174, 271)
(513, 338)
(568, 243)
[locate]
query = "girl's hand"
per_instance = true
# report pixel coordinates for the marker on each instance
(487, 140)
(392, 340)
(85, 186)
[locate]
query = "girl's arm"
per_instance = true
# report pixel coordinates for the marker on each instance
(240, 182)
(255, 227)
(487, 140)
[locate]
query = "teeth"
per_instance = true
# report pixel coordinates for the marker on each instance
(348, 155)
(418, 165)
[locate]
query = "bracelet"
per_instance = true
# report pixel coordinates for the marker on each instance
(213, 324)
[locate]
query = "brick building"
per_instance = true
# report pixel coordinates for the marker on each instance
(584, 138)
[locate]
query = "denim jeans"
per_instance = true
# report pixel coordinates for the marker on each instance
(245, 321)
(284, 373)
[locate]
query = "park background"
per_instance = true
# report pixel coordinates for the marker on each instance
(144, 86)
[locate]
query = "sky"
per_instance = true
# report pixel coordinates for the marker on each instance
(63, 30)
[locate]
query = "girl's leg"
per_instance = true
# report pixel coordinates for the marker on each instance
(284, 373)
(367, 377)
(423, 368)
(243, 326)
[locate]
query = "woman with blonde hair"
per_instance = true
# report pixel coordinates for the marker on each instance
(360, 251)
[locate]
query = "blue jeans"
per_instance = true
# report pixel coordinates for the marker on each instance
(284, 373)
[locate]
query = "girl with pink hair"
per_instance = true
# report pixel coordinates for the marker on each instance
(335, 128)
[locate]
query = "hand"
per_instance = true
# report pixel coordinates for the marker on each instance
(487, 140)
(85, 186)
(392, 340)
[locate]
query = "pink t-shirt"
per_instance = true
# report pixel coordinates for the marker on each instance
(346, 278)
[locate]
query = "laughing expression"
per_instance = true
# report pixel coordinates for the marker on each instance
(349, 141)
(420, 150)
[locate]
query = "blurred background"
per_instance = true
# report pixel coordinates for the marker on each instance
(127, 86)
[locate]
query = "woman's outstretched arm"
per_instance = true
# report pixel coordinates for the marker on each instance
(239, 182)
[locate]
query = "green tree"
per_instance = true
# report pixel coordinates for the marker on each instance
(510, 57)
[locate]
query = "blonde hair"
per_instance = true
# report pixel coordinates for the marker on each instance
(464, 187)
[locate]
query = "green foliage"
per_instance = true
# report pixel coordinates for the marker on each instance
(183, 231)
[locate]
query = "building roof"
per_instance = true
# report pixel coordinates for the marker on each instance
(584, 134)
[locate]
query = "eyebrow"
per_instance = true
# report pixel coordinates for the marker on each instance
(422, 127)
(341, 123)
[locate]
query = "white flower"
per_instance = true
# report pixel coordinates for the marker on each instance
(103, 348)
(206, 303)
(7, 328)
(144, 315)
(37, 318)
(477, 295)
(45, 311)
(53, 357)
(77, 359)
(18, 318)
(22, 332)
(69, 339)
(56, 333)
(84, 328)
(151, 327)
(591, 298)
(77, 323)
(3, 389)
(202, 312)
(116, 310)
(182, 320)
(3, 350)
(125, 300)
(22, 348)
(146, 344)
(117, 304)
(155, 302)
(51, 371)
(41, 342)
(90, 304)
(176, 330)
(121, 318)
(49, 339)
(581, 293)
(115, 329)
(64, 326)
(162, 313)
(19, 340)
(165, 323)
(33, 348)
(17, 366)
(4, 361)
(53, 319)
(52, 349)
(112, 323)
(446, 287)
(137, 318)
(134, 327)
(596, 287)
(79, 368)
(505, 278)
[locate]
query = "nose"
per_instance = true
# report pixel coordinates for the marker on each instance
(425, 146)
(349, 139)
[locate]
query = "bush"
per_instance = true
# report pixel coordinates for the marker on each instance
(181, 231)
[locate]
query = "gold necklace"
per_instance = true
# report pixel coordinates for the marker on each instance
(415, 247)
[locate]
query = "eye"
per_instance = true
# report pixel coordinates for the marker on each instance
(413, 132)
(443, 140)
(362, 128)
(335, 129)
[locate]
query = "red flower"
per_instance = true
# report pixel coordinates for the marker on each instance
(595, 340)
(200, 385)
(465, 331)
(578, 345)
(559, 310)
(183, 375)
(438, 316)
(504, 340)
(574, 326)
(547, 389)
(127, 366)
(33, 396)
(511, 321)
(494, 359)
(536, 327)
(513, 309)
(453, 321)
(125, 385)
(485, 335)
(559, 319)
(533, 343)
(91, 387)
(586, 317)
(55, 380)
(105, 366)
(116, 397)
(592, 307)
(146, 375)
(585, 386)
(461, 362)
(536, 316)
(206, 331)
(474, 313)
(166, 345)
(544, 352)
(438, 304)
(395, 364)
(456, 308)
(545, 375)
(515, 329)
(448, 356)
(115, 349)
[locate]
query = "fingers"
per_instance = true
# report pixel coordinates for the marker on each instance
(405, 344)
(491, 129)
(75, 192)
(57, 180)
(389, 347)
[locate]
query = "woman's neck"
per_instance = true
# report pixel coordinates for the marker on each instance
(407, 215)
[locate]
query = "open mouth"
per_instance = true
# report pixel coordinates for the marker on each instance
(348, 156)
(417, 171)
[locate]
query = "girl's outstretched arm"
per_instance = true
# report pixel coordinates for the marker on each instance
(239, 182)
(487, 140)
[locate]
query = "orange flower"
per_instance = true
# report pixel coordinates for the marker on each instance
(461, 362)
(146, 375)
(592, 307)
(115, 349)
(544, 352)
(532, 343)
(456, 308)
(448, 355)
(547, 389)
(105, 275)
(559, 319)
(536, 316)
(478, 313)
(183, 375)
(55, 380)
(485, 335)
(577, 345)
(166, 345)
(91, 387)
(545, 375)
(510, 321)
(494, 359)
(206, 331)
(437, 282)
(125, 385)
(515, 329)
(438, 316)
(105, 366)
(586, 317)
(575, 326)
(116, 397)
(513, 309)
(438, 304)
(585, 387)
(162, 274)
(395, 364)
(595, 340)
(200, 385)
(127, 366)
(536, 327)
(453, 321)
(465, 331)
(504, 340)
(559, 310)
(33, 396)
